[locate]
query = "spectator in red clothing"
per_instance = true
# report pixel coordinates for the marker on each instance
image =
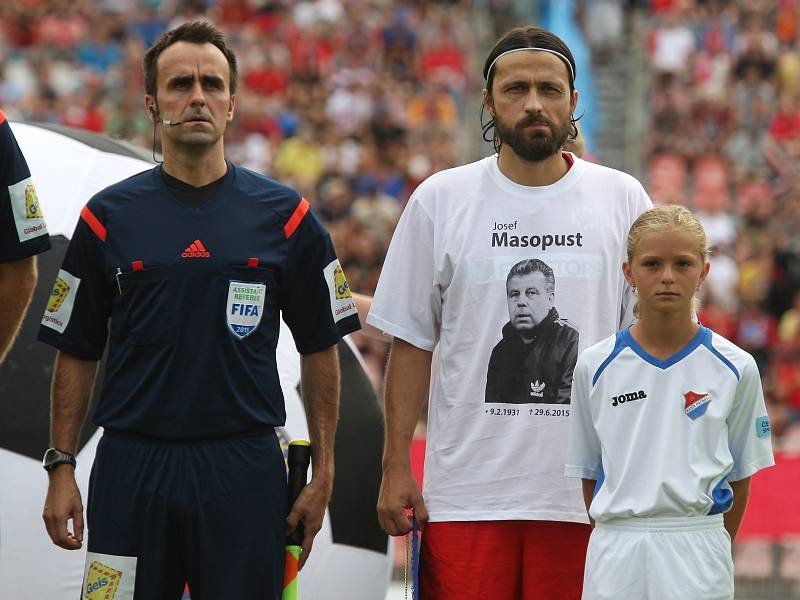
(786, 375)
(85, 112)
(785, 125)
(62, 28)
(266, 77)
(443, 60)
(715, 317)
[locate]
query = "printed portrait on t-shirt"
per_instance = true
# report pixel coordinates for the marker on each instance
(534, 360)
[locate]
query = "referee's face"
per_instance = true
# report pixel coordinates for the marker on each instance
(193, 83)
(528, 301)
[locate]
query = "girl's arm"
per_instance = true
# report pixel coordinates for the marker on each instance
(733, 518)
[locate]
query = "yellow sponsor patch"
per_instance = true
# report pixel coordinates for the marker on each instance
(32, 208)
(340, 285)
(101, 582)
(58, 295)
(342, 303)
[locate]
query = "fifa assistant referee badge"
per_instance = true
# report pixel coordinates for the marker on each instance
(54, 457)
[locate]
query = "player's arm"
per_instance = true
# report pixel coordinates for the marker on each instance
(588, 486)
(733, 518)
(751, 447)
(319, 374)
(584, 450)
(17, 282)
(363, 304)
(407, 380)
(73, 381)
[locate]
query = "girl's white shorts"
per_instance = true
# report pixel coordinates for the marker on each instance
(683, 558)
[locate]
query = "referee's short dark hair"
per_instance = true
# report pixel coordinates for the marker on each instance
(195, 32)
(533, 265)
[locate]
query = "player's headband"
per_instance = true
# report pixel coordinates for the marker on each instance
(558, 54)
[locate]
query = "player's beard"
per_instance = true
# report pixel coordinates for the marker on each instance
(535, 146)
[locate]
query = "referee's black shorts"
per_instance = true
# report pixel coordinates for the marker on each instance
(211, 513)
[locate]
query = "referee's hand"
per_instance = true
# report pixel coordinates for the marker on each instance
(62, 504)
(309, 508)
(399, 492)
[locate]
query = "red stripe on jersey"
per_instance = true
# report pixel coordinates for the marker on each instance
(94, 223)
(2, 117)
(297, 217)
(252, 262)
(200, 246)
(568, 157)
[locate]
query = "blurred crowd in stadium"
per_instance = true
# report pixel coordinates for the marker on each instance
(354, 102)
(724, 139)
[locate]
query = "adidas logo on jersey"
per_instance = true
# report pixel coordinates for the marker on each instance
(623, 398)
(537, 389)
(196, 250)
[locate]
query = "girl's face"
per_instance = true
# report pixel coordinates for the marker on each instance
(666, 269)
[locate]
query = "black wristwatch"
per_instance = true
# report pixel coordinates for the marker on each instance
(54, 457)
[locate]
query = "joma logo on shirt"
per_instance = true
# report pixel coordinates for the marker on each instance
(630, 397)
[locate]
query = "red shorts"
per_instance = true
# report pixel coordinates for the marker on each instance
(503, 560)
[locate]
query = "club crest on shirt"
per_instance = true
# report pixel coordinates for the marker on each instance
(245, 307)
(695, 405)
(101, 582)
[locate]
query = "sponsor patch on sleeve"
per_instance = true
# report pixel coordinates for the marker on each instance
(28, 216)
(763, 428)
(342, 303)
(61, 301)
(109, 577)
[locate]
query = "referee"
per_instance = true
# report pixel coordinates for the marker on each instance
(23, 235)
(186, 269)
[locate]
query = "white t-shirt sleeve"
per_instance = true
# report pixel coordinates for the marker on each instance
(408, 301)
(749, 435)
(584, 453)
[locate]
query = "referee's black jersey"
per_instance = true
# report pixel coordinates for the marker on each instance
(194, 295)
(23, 232)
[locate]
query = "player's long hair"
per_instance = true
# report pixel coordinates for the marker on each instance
(662, 218)
(523, 37)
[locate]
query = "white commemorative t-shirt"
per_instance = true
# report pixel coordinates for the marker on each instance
(444, 284)
(664, 437)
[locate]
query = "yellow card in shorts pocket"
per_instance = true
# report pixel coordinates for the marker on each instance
(109, 577)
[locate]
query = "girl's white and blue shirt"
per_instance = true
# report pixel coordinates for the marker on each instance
(664, 437)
